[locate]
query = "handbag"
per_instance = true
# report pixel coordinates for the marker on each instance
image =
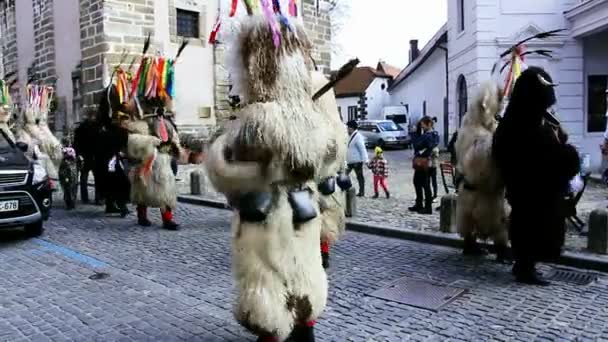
(421, 163)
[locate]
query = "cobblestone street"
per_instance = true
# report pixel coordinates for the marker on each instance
(393, 212)
(169, 286)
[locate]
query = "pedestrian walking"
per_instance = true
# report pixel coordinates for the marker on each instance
(425, 140)
(379, 167)
(434, 164)
(85, 140)
(356, 155)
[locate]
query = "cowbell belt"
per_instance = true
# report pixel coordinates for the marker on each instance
(255, 206)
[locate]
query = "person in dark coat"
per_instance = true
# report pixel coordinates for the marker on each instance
(85, 139)
(536, 164)
(112, 140)
(425, 140)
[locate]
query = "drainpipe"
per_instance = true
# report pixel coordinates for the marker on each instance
(447, 91)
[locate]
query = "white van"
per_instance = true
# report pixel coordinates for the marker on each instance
(397, 114)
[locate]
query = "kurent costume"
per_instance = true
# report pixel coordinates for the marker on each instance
(332, 199)
(537, 164)
(33, 128)
(481, 211)
(153, 140)
(6, 108)
(269, 162)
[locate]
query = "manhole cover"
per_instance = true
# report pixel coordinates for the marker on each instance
(572, 277)
(418, 293)
(99, 276)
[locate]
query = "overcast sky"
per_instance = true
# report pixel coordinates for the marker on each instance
(382, 29)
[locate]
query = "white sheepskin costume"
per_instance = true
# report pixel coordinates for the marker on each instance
(5, 117)
(332, 206)
(481, 208)
(279, 141)
(152, 180)
(40, 140)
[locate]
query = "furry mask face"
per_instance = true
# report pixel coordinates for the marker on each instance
(268, 72)
(534, 88)
(486, 105)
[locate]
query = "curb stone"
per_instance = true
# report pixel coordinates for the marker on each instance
(569, 259)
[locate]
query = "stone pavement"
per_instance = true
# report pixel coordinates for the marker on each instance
(393, 212)
(173, 286)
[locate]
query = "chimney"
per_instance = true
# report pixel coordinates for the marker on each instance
(414, 52)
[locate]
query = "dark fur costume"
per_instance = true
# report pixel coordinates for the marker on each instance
(112, 139)
(536, 167)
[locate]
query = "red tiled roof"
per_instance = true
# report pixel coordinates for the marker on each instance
(388, 69)
(357, 81)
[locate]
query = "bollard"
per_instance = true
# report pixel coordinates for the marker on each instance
(597, 238)
(351, 202)
(197, 183)
(447, 213)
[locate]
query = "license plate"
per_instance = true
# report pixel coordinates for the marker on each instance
(9, 206)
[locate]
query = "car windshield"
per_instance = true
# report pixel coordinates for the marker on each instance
(388, 126)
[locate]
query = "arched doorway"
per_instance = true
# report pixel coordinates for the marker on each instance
(461, 88)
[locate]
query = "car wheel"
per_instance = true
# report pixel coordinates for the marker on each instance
(381, 143)
(34, 229)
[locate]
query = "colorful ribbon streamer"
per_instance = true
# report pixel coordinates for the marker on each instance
(214, 32)
(293, 8)
(276, 31)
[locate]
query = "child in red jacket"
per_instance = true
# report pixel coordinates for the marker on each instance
(379, 167)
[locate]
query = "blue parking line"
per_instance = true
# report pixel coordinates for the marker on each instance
(70, 254)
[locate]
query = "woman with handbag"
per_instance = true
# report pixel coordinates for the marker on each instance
(425, 140)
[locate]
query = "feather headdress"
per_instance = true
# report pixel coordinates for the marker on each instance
(514, 58)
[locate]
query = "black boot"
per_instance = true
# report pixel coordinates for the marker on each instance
(376, 195)
(142, 217)
(325, 260)
(124, 211)
(302, 334)
(416, 208)
(471, 247)
(525, 273)
(168, 222)
(428, 208)
(502, 254)
(111, 208)
(388, 195)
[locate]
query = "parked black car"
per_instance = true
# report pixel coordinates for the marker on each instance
(25, 189)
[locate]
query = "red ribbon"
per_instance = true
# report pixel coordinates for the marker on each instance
(216, 29)
(162, 130)
(233, 7)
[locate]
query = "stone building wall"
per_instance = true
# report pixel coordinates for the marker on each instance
(8, 36)
(93, 46)
(44, 41)
(317, 22)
